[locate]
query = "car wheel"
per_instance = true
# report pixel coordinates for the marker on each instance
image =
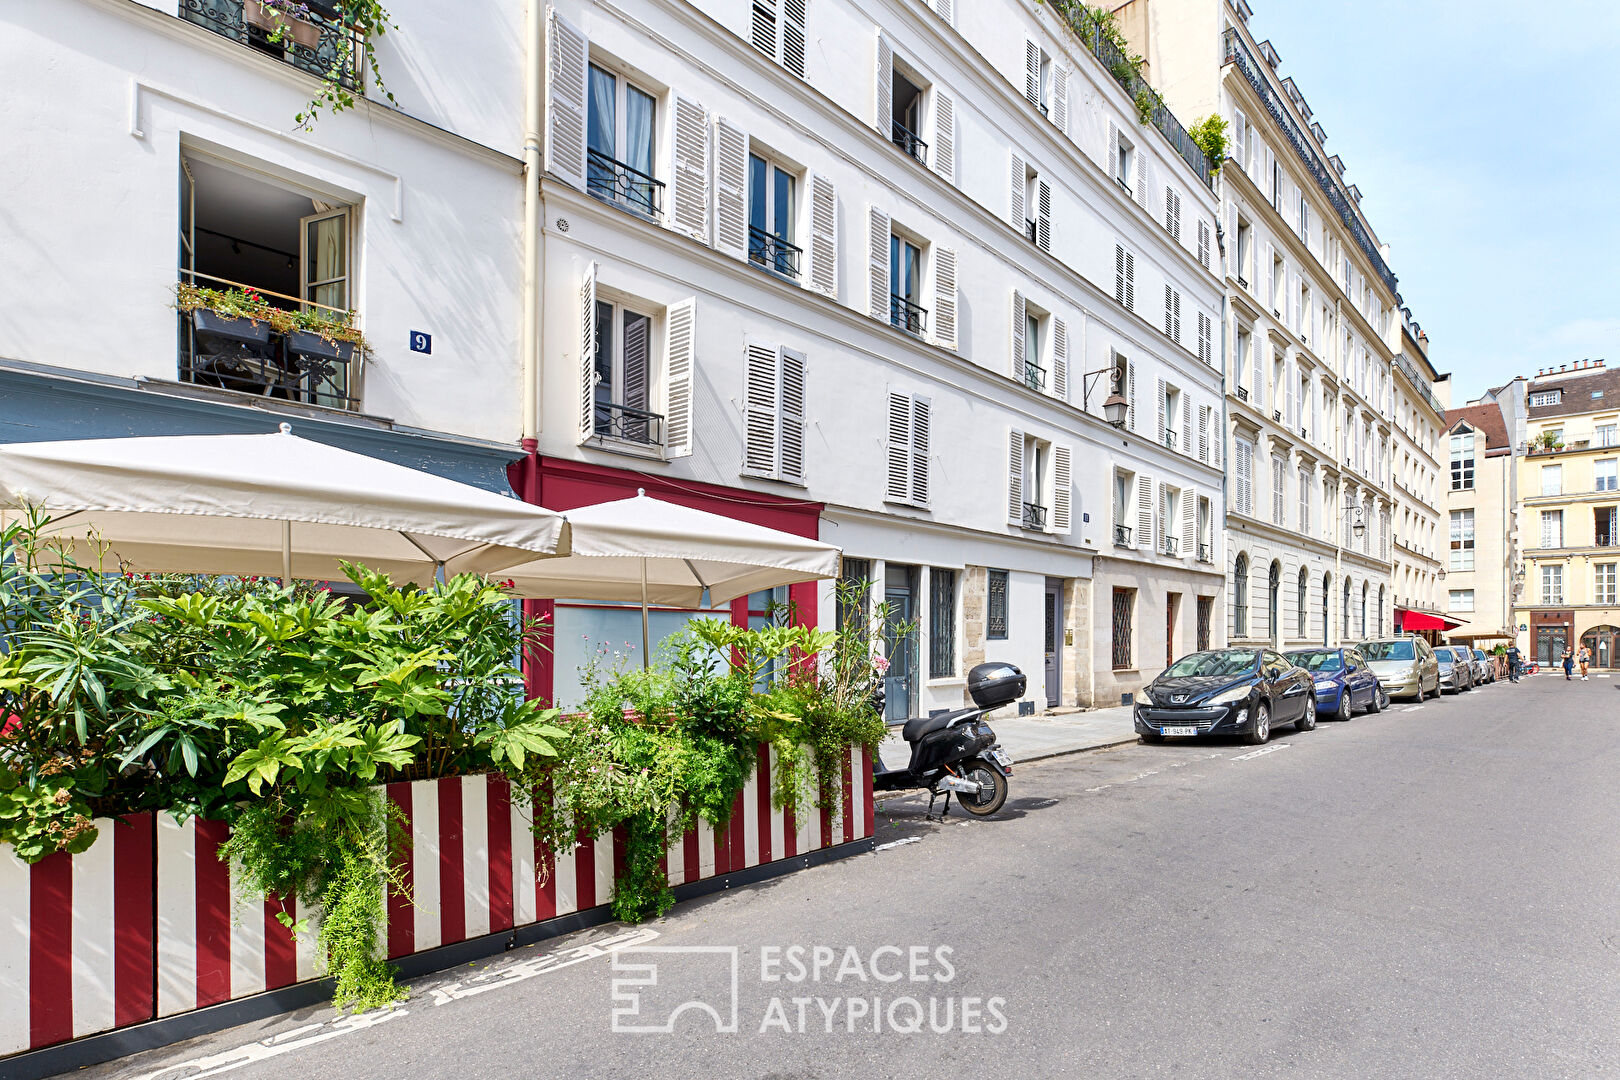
(1346, 709)
(1308, 721)
(1260, 730)
(1378, 701)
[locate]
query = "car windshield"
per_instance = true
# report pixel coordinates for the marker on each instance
(1219, 662)
(1388, 650)
(1445, 656)
(1318, 660)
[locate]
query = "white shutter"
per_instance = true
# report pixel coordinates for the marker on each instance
(1203, 243)
(1111, 166)
(1293, 289)
(1203, 432)
(1130, 280)
(1144, 179)
(1172, 213)
(1184, 439)
(1060, 99)
(946, 10)
(761, 406)
(792, 400)
(899, 481)
(1144, 511)
(689, 179)
(1043, 219)
(1239, 126)
(1159, 385)
(1020, 316)
(1119, 274)
(945, 297)
(1130, 395)
(921, 415)
(1169, 328)
(1032, 72)
(884, 118)
(1290, 391)
(567, 63)
(587, 353)
(1161, 526)
(730, 189)
(1015, 477)
(1189, 522)
(1060, 359)
(878, 263)
(1062, 489)
(1017, 212)
(680, 351)
(945, 135)
(793, 36)
(823, 275)
(764, 29)
(1206, 349)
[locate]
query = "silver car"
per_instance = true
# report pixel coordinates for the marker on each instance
(1456, 668)
(1484, 670)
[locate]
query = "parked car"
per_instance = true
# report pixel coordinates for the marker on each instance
(1405, 666)
(1343, 681)
(1456, 668)
(1244, 692)
(1484, 668)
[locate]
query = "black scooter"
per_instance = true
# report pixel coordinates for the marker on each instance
(957, 752)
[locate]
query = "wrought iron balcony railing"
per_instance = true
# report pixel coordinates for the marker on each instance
(907, 140)
(1034, 376)
(622, 422)
(1169, 545)
(1031, 233)
(1034, 516)
(1122, 536)
(1243, 393)
(318, 42)
(1204, 554)
(615, 182)
(773, 253)
(1170, 438)
(907, 315)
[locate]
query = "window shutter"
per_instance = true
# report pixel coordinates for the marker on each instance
(1032, 72)
(1203, 432)
(921, 414)
(1130, 280)
(1043, 220)
(1293, 283)
(638, 364)
(1239, 124)
(1020, 316)
(1112, 164)
(761, 407)
(1161, 513)
(587, 353)
(689, 179)
(945, 9)
(823, 236)
(1184, 440)
(1159, 386)
(884, 120)
(1172, 213)
(1290, 409)
(793, 36)
(567, 64)
(1169, 328)
(1016, 210)
(680, 351)
(1119, 275)
(1144, 179)
(1062, 489)
(945, 135)
(792, 398)
(1206, 350)
(764, 32)
(1060, 99)
(1130, 395)
(1060, 359)
(1203, 243)
(878, 262)
(899, 483)
(730, 189)
(1015, 477)
(1144, 511)
(1189, 520)
(945, 297)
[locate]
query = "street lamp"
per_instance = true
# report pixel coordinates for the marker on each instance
(1116, 407)
(1355, 515)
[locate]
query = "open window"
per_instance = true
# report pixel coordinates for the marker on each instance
(1039, 479)
(266, 273)
(905, 285)
(907, 112)
(622, 142)
(773, 197)
(637, 357)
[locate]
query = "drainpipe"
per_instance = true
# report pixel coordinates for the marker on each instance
(1336, 635)
(530, 344)
(1226, 243)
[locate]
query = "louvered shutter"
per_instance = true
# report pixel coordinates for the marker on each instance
(689, 179)
(637, 363)
(793, 36)
(1119, 275)
(1144, 511)
(946, 9)
(877, 263)
(730, 189)
(1234, 256)
(1168, 325)
(1043, 220)
(823, 236)
(567, 63)
(1032, 73)
(1239, 129)
(1184, 440)
(1060, 99)
(1112, 164)
(792, 399)
(1293, 288)
(1130, 280)
(761, 407)
(1175, 316)
(1289, 392)
(764, 28)
(1015, 477)
(1130, 395)
(1060, 359)
(1189, 522)
(1062, 490)
(1144, 179)
(680, 351)
(587, 353)
(884, 118)
(945, 135)
(899, 481)
(921, 415)
(1020, 318)
(1017, 212)
(1203, 243)
(1203, 432)
(1161, 513)
(1172, 213)
(1206, 349)
(1163, 420)
(945, 297)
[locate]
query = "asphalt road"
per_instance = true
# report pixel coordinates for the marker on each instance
(1430, 892)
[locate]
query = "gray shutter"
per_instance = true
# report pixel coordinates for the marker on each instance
(945, 135)
(1016, 210)
(1060, 359)
(1062, 489)
(761, 407)
(945, 297)
(730, 189)
(878, 263)
(898, 488)
(884, 118)
(567, 64)
(823, 275)
(1175, 316)
(792, 400)
(689, 179)
(921, 414)
(1043, 219)
(1020, 317)
(1163, 420)
(680, 351)
(587, 353)
(1032, 73)
(1144, 511)
(1060, 99)
(1015, 477)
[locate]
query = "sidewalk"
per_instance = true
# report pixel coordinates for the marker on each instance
(1029, 738)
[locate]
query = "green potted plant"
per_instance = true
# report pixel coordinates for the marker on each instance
(237, 314)
(282, 19)
(243, 314)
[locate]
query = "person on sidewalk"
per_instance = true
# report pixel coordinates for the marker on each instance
(1583, 659)
(1569, 665)
(1513, 663)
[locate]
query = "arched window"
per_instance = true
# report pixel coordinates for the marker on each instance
(1344, 612)
(1274, 601)
(1327, 592)
(1364, 587)
(1240, 597)
(1604, 643)
(1304, 626)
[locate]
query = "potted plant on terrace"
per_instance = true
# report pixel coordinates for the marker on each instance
(282, 19)
(245, 315)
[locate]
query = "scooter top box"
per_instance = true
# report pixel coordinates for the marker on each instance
(995, 684)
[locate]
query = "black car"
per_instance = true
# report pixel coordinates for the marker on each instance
(1244, 692)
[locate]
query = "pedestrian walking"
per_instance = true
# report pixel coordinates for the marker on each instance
(1513, 663)
(1583, 659)
(1569, 665)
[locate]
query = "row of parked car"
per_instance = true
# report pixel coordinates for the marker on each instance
(1251, 692)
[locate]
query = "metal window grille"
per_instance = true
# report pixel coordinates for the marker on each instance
(996, 606)
(1124, 605)
(1206, 616)
(941, 624)
(854, 586)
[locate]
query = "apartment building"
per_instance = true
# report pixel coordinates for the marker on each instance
(1329, 391)
(152, 146)
(1569, 503)
(1481, 504)
(913, 276)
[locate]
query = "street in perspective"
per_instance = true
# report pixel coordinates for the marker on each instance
(808, 538)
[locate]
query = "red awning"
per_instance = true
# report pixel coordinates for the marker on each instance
(1422, 620)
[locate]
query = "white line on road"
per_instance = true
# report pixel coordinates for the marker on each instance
(1272, 749)
(1412, 708)
(898, 843)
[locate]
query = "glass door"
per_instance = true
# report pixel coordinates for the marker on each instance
(900, 642)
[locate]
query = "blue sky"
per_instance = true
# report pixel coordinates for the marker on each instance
(1485, 137)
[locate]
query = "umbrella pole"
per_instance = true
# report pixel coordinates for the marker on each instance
(646, 651)
(286, 553)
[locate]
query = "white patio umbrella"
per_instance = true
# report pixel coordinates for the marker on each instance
(648, 550)
(268, 504)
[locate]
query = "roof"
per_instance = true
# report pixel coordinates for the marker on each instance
(1578, 387)
(1486, 419)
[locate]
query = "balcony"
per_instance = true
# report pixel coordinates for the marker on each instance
(907, 140)
(1243, 393)
(1205, 554)
(313, 36)
(1034, 376)
(1170, 438)
(630, 425)
(1122, 536)
(1168, 546)
(1034, 516)
(1031, 233)
(907, 315)
(773, 253)
(617, 183)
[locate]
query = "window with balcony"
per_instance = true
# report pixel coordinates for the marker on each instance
(1125, 164)
(1552, 479)
(624, 364)
(905, 286)
(1240, 367)
(1462, 540)
(1552, 584)
(1244, 248)
(621, 143)
(1034, 344)
(1205, 536)
(1552, 528)
(1037, 482)
(265, 275)
(772, 211)
(1462, 461)
(1603, 583)
(1605, 520)
(1124, 485)
(908, 115)
(1603, 474)
(311, 36)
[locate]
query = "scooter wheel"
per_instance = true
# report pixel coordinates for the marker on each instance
(992, 788)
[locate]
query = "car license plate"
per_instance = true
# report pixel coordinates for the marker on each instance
(1178, 731)
(1000, 757)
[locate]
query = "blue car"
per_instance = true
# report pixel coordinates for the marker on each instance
(1343, 681)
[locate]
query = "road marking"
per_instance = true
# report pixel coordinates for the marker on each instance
(1099, 787)
(1412, 708)
(1272, 749)
(1141, 776)
(897, 843)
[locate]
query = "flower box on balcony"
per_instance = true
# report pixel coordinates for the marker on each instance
(308, 343)
(281, 17)
(235, 328)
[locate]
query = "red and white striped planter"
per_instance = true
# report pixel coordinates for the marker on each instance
(148, 922)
